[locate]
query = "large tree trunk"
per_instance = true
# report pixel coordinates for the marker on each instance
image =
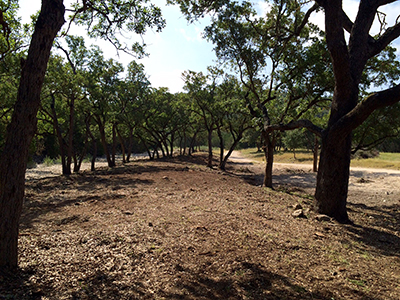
(333, 177)
(334, 166)
(22, 129)
(269, 157)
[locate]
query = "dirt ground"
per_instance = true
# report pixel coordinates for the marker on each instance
(174, 229)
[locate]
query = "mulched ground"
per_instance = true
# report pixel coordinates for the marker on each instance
(174, 229)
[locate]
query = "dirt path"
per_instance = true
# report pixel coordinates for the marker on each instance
(43, 171)
(371, 187)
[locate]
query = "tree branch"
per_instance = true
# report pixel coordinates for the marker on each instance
(294, 125)
(306, 18)
(364, 109)
(389, 36)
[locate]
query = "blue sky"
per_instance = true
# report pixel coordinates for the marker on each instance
(180, 46)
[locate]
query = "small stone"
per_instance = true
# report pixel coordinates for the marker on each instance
(150, 224)
(298, 213)
(323, 218)
(297, 206)
(165, 177)
(128, 213)
(319, 235)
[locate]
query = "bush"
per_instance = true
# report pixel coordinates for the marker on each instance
(364, 154)
(48, 161)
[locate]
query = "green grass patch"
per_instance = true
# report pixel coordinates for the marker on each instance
(383, 161)
(361, 282)
(48, 161)
(302, 156)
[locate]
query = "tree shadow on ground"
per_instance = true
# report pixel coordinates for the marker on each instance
(291, 179)
(380, 231)
(52, 194)
(99, 286)
(15, 285)
(109, 286)
(247, 281)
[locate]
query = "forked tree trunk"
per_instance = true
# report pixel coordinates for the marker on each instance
(193, 141)
(22, 129)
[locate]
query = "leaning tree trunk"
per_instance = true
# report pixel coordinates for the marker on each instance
(315, 154)
(210, 152)
(78, 158)
(221, 148)
(193, 142)
(22, 129)
(236, 141)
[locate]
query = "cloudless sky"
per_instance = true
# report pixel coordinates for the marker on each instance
(180, 45)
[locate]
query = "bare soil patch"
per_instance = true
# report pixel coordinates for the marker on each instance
(174, 229)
